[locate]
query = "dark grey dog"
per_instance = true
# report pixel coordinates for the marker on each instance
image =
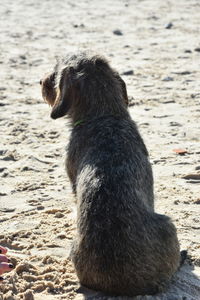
(122, 246)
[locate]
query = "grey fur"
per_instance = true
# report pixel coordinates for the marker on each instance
(122, 246)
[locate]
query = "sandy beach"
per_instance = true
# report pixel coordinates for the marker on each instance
(155, 47)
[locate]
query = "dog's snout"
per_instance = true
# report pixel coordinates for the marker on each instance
(40, 81)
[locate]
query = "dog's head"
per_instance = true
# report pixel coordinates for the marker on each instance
(77, 80)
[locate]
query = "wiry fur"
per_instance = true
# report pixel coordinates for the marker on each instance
(122, 246)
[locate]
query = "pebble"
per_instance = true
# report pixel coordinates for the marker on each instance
(183, 73)
(176, 202)
(6, 174)
(117, 32)
(193, 96)
(22, 57)
(128, 72)
(3, 194)
(7, 209)
(197, 201)
(9, 157)
(168, 102)
(169, 25)
(40, 207)
(2, 88)
(79, 25)
(59, 215)
(26, 168)
(192, 176)
(197, 49)
(172, 123)
(161, 116)
(168, 78)
(61, 235)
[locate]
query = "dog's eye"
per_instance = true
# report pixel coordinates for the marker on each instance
(41, 82)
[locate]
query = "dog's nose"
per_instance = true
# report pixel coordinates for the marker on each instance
(40, 81)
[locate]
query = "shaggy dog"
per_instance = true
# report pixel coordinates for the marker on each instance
(122, 246)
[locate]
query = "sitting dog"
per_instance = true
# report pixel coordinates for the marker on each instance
(122, 246)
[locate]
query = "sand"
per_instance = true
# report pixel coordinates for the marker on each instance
(155, 47)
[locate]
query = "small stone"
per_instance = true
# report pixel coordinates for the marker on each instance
(59, 215)
(7, 209)
(187, 51)
(168, 101)
(168, 78)
(197, 201)
(2, 88)
(40, 207)
(173, 123)
(184, 73)
(197, 49)
(128, 72)
(169, 25)
(193, 96)
(78, 25)
(194, 176)
(3, 194)
(26, 168)
(22, 57)
(117, 32)
(10, 157)
(6, 174)
(61, 235)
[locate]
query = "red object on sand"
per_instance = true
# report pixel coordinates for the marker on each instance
(180, 151)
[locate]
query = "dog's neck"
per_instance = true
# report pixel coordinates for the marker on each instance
(79, 116)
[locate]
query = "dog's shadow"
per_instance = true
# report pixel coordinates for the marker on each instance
(184, 286)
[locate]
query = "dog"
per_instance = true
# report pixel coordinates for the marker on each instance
(122, 246)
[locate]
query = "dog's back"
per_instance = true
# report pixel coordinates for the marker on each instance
(123, 247)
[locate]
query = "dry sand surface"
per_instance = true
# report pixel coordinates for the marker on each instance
(155, 46)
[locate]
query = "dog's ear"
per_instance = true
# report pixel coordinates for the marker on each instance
(65, 94)
(124, 91)
(48, 89)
